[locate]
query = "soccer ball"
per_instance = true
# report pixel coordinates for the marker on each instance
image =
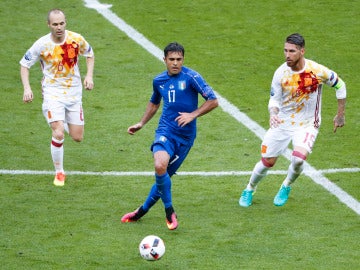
(152, 248)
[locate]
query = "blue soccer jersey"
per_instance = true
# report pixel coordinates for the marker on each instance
(180, 94)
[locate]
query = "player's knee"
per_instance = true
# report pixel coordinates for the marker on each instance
(58, 134)
(76, 132)
(77, 138)
(160, 170)
(268, 162)
(160, 167)
(76, 135)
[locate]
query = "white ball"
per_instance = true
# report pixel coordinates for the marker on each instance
(152, 248)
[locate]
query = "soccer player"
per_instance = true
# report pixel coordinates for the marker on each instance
(295, 115)
(179, 88)
(58, 53)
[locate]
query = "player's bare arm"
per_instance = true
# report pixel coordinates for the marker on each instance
(88, 81)
(339, 119)
(28, 94)
(150, 111)
(185, 118)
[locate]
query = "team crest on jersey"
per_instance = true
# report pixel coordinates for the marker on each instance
(307, 83)
(182, 85)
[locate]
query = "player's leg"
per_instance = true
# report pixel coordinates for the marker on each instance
(274, 143)
(303, 142)
(295, 168)
(163, 183)
(162, 149)
(259, 172)
(76, 132)
(150, 201)
(166, 161)
(162, 186)
(75, 121)
(54, 112)
(57, 151)
(181, 152)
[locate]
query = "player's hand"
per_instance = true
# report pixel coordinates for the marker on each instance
(28, 96)
(88, 83)
(339, 121)
(274, 121)
(132, 129)
(184, 118)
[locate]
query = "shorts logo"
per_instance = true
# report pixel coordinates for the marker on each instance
(49, 115)
(162, 139)
(263, 149)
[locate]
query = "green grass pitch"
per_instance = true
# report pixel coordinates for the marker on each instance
(236, 46)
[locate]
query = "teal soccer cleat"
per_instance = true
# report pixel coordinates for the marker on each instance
(282, 196)
(246, 198)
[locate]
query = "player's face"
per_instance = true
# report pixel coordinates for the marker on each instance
(57, 24)
(294, 56)
(174, 62)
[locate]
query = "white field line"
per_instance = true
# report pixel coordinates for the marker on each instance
(316, 175)
(197, 173)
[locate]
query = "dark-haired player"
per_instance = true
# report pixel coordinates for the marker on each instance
(295, 115)
(179, 87)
